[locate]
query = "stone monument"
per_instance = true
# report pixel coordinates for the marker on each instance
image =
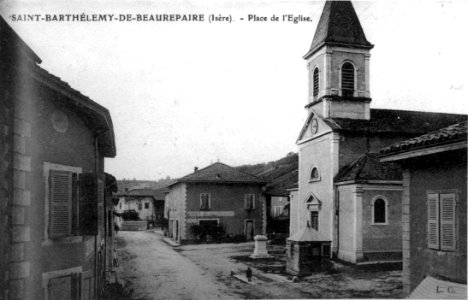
(260, 247)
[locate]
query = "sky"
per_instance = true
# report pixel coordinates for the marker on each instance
(185, 94)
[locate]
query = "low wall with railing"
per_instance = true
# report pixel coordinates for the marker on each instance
(134, 225)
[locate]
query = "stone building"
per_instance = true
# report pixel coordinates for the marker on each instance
(358, 215)
(56, 220)
(434, 212)
(217, 194)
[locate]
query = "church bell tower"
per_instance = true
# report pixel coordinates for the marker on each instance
(338, 65)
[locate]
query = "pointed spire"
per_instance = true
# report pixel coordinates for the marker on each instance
(339, 26)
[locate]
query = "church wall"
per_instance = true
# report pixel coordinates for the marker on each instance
(317, 152)
(346, 225)
(348, 109)
(294, 212)
(353, 146)
(382, 238)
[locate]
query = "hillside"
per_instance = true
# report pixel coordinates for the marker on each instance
(280, 174)
(142, 184)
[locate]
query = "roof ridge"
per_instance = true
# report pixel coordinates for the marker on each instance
(415, 111)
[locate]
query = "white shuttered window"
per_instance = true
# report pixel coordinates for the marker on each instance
(441, 221)
(447, 222)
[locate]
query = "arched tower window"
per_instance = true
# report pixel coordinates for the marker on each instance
(316, 82)
(347, 79)
(379, 211)
(314, 174)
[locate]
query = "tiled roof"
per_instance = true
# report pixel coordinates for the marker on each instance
(396, 121)
(453, 133)
(308, 234)
(220, 173)
(368, 167)
(97, 116)
(10, 40)
(156, 194)
(339, 25)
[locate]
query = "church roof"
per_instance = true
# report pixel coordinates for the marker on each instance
(369, 167)
(308, 234)
(396, 121)
(339, 26)
(219, 173)
(450, 134)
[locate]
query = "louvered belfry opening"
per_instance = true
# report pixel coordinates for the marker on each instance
(347, 79)
(316, 82)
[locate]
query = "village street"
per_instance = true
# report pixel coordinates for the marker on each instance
(154, 270)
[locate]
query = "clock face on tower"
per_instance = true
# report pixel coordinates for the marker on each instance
(314, 126)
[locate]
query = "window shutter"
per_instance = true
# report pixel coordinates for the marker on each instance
(245, 201)
(447, 222)
(88, 204)
(316, 82)
(347, 79)
(253, 201)
(433, 221)
(60, 288)
(60, 212)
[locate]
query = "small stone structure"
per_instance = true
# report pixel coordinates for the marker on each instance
(260, 250)
(307, 251)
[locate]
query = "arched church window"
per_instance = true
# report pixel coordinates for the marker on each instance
(316, 82)
(347, 79)
(379, 211)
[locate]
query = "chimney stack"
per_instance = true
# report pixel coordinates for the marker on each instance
(195, 169)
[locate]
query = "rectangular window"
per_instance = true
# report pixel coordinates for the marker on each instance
(205, 201)
(139, 206)
(314, 222)
(441, 218)
(249, 201)
(146, 205)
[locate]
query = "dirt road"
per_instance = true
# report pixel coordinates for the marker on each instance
(155, 271)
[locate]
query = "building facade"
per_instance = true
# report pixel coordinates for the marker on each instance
(434, 212)
(341, 131)
(55, 235)
(148, 203)
(219, 195)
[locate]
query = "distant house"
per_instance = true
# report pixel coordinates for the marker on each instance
(56, 228)
(218, 195)
(148, 203)
(434, 212)
(281, 175)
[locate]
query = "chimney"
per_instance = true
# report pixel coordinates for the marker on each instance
(195, 169)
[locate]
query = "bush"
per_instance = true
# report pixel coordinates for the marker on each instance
(208, 231)
(130, 215)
